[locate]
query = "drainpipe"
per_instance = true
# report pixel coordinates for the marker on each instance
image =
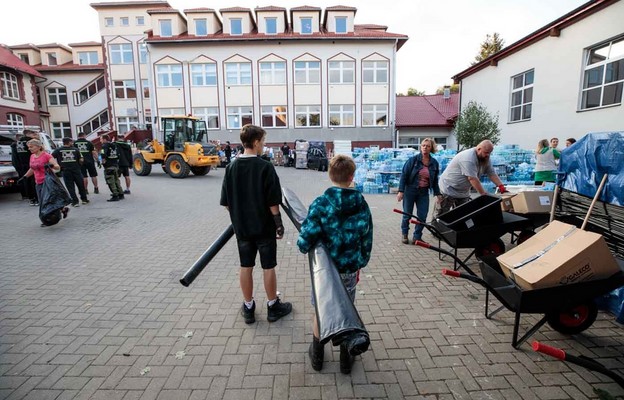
(393, 96)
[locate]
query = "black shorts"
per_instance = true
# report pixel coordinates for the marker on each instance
(89, 168)
(125, 171)
(247, 250)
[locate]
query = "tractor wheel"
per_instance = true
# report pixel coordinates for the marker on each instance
(140, 166)
(177, 167)
(199, 171)
(495, 248)
(574, 320)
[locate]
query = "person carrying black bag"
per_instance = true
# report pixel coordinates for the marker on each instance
(70, 158)
(110, 160)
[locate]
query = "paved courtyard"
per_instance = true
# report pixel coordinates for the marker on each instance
(92, 309)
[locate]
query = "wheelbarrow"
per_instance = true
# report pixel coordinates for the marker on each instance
(568, 309)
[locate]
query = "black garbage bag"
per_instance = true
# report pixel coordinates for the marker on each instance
(337, 317)
(53, 199)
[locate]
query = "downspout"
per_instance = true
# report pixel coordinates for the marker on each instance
(393, 129)
(461, 87)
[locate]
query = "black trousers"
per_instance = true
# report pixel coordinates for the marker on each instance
(73, 177)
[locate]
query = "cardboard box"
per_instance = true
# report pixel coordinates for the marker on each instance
(559, 254)
(506, 204)
(532, 202)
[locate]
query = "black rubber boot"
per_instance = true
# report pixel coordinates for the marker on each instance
(317, 354)
(346, 360)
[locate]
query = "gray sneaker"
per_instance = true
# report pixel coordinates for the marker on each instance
(278, 310)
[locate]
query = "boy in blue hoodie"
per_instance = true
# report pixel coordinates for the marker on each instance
(341, 220)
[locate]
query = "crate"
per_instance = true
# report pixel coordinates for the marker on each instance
(481, 211)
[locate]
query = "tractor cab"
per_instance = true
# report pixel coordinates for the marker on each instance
(177, 131)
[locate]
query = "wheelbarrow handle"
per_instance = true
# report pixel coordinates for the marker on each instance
(585, 362)
(418, 221)
(396, 210)
(457, 274)
(445, 252)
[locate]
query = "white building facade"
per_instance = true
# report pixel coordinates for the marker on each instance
(564, 80)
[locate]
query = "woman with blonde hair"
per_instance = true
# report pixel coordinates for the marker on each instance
(418, 178)
(546, 165)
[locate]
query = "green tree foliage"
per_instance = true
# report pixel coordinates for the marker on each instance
(491, 45)
(415, 92)
(454, 89)
(476, 124)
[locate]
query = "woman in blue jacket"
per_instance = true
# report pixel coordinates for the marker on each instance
(419, 177)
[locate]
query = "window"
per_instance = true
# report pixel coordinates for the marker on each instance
(239, 116)
(124, 21)
(145, 87)
(307, 72)
(165, 112)
(375, 115)
(236, 26)
(375, 71)
(208, 114)
(341, 24)
(61, 130)
(603, 78)
(124, 89)
(238, 74)
(306, 26)
(38, 97)
(341, 72)
(274, 116)
(271, 26)
(95, 123)
(52, 59)
(201, 27)
(15, 120)
(88, 57)
(121, 53)
(165, 27)
(108, 22)
(142, 53)
(10, 89)
(307, 116)
(169, 75)
(24, 57)
(272, 73)
(57, 96)
(203, 75)
(521, 96)
(89, 91)
(125, 124)
(140, 20)
(342, 115)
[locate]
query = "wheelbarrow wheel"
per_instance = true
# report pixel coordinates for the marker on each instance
(574, 320)
(524, 235)
(495, 248)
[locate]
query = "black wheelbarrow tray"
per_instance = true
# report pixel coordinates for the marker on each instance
(568, 309)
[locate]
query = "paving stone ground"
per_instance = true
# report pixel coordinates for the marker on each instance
(92, 309)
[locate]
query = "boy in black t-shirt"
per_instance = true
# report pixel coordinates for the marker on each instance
(69, 158)
(89, 155)
(252, 194)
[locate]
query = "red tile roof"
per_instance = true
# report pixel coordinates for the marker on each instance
(199, 10)
(10, 60)
(70, 66)
(270, 8)
(54, 46)
(235, 9)
(85, 44)
(305, 8)
(115, 4)
(166, 10)
(431, 111)
(552, 29)
(370, 26)
(24, 46)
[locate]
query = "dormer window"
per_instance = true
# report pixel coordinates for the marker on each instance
(236, 26)
(271, 26)
(341, 24)
(88, 57)
(165, 27)
(124, 21)
(52, 59)
(108, 22)
(140, 20)
(201, 27)
(306, 26)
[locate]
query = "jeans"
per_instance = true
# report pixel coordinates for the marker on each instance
(420, 197)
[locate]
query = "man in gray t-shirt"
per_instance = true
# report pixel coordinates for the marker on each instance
(463, 173)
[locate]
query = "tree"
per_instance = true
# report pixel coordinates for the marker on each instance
(454, 89)
(491, 45)
(476, 124)
(415, 92)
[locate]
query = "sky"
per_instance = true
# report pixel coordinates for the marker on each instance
(444, 35)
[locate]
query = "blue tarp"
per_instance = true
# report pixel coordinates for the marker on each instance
(584, 164)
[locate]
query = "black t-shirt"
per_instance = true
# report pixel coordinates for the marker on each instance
(20, 155)
(285, 151)
(124, 153)
(68, 158)
(86, 149)
(228, 151)
(250, 187)
(110, 155)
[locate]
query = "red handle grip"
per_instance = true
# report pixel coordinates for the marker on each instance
(396, 210)
(422, 244)
(450, 272)
(549, 350)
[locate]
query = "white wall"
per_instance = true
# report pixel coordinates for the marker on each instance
(558, 65)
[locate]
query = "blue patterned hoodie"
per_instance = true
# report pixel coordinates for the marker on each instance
(341, 220)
